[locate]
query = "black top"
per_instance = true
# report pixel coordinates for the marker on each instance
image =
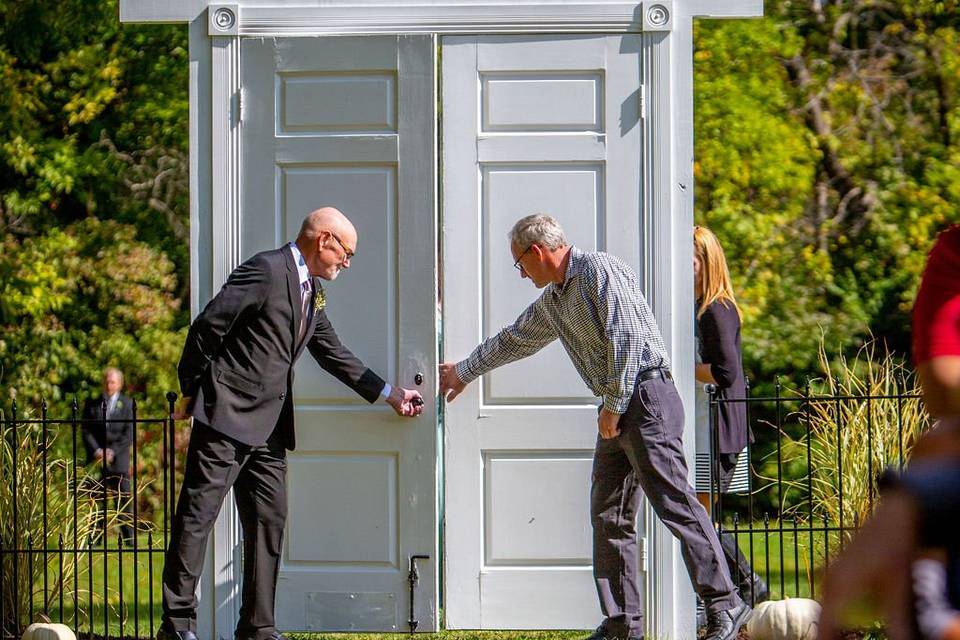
(719, 329)
(238, 359)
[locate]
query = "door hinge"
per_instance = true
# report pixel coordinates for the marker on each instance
(238, 106)
(643, 555)
(642, 101)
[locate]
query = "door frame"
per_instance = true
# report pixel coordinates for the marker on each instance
(216, 108)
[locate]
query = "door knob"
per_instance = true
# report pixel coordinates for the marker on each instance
(418, 379)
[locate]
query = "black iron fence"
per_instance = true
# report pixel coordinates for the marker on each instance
(82, 543)
(815, 470)
(79, 547)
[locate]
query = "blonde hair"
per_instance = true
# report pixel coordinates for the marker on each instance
(714, 275)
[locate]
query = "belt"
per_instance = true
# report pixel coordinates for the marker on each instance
(656, 373)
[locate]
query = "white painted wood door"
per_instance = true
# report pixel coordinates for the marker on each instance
(530, 124)
(350, 122)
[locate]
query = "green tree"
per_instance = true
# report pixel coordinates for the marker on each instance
(827, 148)
(93, 199)
(75, 299)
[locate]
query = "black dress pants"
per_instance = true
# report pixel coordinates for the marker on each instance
(215, 463)
(647, 459)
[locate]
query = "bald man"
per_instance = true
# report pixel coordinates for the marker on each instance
(236, 376)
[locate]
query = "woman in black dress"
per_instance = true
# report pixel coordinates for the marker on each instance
(721, 447)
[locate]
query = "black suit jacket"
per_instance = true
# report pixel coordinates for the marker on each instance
(719, 329)
(238, 359)
(116, 434)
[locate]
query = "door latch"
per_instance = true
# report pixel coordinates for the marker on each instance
(413, 577)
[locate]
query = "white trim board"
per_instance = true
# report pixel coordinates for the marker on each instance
(318, 17)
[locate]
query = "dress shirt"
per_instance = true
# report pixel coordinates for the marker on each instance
(602, 319)
(111, 404)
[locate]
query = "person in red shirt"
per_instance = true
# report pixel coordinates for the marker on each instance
(882, 560)
(936, 326)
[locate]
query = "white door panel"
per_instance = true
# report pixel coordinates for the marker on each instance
(349, 122)
(531, 124)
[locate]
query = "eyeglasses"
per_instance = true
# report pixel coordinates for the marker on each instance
(517, 265)
(349, 254)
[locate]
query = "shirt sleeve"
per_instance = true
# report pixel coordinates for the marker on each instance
(528, 334)
(607, 293)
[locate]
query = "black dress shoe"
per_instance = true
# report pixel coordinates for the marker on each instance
(165, 634)
(724, 625)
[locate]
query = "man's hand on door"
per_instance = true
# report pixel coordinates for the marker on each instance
(450, 385)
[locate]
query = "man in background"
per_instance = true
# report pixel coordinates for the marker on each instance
(107, 437)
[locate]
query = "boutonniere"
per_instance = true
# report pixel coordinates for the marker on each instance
(119, 404)
(319, 300)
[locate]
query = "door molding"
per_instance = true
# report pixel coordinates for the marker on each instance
(443, 18)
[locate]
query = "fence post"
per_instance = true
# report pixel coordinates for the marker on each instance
(714, 464)
(43, 453)
(75, 485)
(135, 525)
(171, 455)
(15, 445)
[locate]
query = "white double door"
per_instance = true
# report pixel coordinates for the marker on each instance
(545, 123)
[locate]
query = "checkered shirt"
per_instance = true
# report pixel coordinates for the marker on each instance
(602, 320)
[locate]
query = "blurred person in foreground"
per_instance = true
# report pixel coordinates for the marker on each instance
(906, 557)
(593, 304)
(722, 462)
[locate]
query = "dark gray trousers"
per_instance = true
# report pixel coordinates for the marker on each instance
(215, 463)
(647, 456)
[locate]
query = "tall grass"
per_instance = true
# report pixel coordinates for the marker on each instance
(44, 485)
(870, 422)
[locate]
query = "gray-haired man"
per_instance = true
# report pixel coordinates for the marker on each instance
(592, 302)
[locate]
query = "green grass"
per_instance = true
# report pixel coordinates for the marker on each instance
(793, 574)
(99, 596)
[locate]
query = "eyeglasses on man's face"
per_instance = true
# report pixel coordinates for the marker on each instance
(517, 265)
(347, 253)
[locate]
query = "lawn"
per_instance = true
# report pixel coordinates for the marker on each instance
(132, 591)
(784, 560)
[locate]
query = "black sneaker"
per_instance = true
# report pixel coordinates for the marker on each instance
(724, 625)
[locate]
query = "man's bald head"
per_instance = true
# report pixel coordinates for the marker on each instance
(327, 240)
(325, 218)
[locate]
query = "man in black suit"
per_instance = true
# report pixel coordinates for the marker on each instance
(107, 437)
(236, 375)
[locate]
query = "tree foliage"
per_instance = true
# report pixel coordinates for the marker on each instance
(93, 198)
(77, 298)
(828, 156)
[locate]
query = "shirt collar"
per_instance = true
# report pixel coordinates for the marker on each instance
(574, 265)
(301, 263)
